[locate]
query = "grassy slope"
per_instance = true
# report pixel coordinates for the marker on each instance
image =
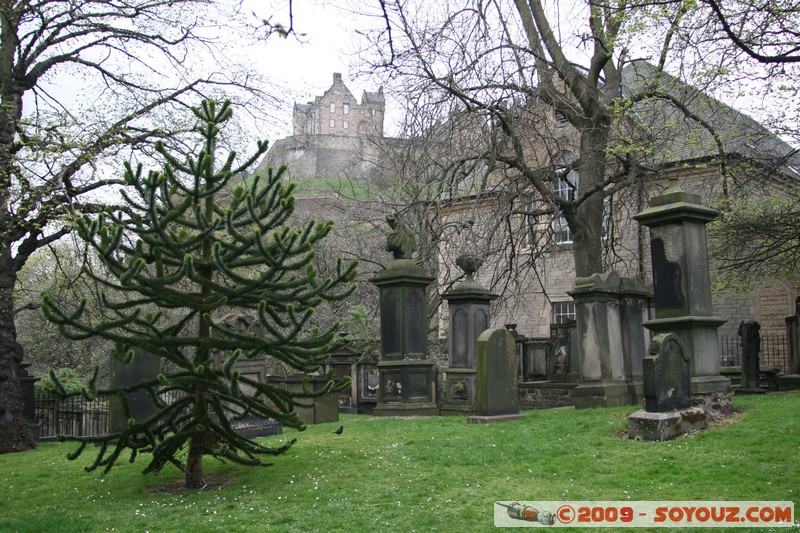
(417, 474)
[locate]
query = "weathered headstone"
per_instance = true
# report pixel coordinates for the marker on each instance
(497, 394)
(749, 331)
(666, 375)
(667, 393)
(324, 409)
(610, 312)
(142, 367)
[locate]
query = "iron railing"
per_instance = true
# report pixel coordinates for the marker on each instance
(74, 416)
(774, 350)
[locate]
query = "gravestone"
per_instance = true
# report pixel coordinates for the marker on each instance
(406, 375)
(749, 331)
(497, 394)
(791, 379)
(610, 311)
(666, 375)
(667, 409)
(324, 408)
(142, 367)
(468, 306)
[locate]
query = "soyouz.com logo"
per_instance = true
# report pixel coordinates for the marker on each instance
(643, 514)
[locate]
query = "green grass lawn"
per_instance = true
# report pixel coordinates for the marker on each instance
(426, 474)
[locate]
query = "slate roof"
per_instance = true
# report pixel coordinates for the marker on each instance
(682, 139)
(372, 97)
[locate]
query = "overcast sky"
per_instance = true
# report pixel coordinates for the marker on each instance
(305, 64)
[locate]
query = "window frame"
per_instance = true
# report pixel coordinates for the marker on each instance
(563, 312)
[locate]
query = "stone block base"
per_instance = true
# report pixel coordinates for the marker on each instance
(406, 409)
(664, 426)
(710, 384)
(451, 409)
(789, 382)
(604, 394)
(745, 391)
(545, 394)
(492, 419)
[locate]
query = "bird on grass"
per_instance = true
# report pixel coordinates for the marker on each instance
(340, 430)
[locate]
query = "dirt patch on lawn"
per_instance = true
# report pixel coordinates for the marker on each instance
(178, 486)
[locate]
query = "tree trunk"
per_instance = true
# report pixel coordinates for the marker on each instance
(586, 222)
(194, 465)
(14, 432)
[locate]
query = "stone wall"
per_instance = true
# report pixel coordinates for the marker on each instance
(321, 160)
(544, 396)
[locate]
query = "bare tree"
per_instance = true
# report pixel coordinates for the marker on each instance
(554, 123)
(507, 65)
(132, 64)
(768, 33)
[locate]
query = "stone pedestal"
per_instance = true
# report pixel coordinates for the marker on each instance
(682, 285)
(343, 364)
(468, 306)
(610, 312)
(407, 384)
(645, 425)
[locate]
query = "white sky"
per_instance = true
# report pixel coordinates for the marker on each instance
(306, 64)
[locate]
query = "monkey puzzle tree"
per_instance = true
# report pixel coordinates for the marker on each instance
(81, 83)
(186, 250)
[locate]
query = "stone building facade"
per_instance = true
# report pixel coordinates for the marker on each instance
(338, 141)
(338, 112)
(529, 261)
(335, 139)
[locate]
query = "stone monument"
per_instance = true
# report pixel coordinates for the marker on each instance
(406, 375)
(682, 285)
(246, 323)
(791, 379)
(666, 375)
(497, 396)
(610, 312)
(468, 304)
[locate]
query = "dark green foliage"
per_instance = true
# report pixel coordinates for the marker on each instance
(61, 381)
(185, 251)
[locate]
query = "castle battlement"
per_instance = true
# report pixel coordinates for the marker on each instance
(338, 112)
